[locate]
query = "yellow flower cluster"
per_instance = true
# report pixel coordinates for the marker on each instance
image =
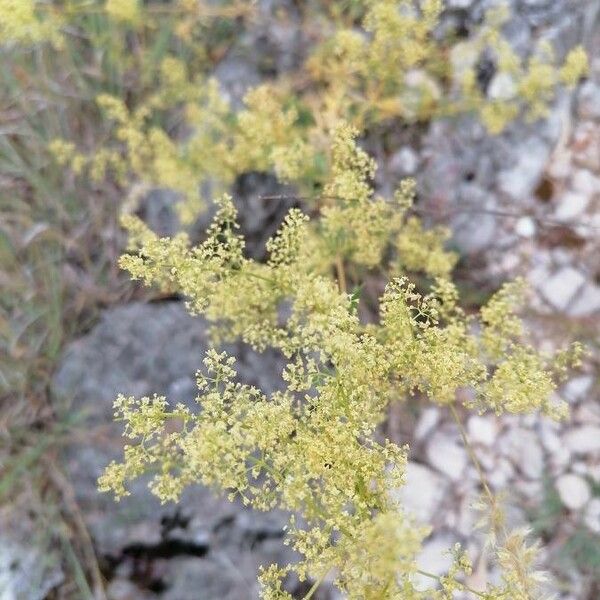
(313, 449)
(396, 67)
(123, 10)
(20, 22)
(518, 86)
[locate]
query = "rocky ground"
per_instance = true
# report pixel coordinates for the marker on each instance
(526, 203)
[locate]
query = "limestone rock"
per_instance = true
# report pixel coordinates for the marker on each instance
(482, 429)
(559, 289)
(423, 492)
(141, 349)
(572, 205)
(582, 440)
(522, 446)
(519, 182)
(447, 455)
(591, 516)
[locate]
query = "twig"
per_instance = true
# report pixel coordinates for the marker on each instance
(68, 495)
(456, 211)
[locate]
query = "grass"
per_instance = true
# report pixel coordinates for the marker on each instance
(59, 244)
(58, 248)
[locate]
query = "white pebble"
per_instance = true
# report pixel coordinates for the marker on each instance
(573, 490)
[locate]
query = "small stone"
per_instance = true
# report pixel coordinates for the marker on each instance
(538, 275)
(561, 165)
(586, 148)
(561, 257)
(525, 227)
(404, 162)
(473, 235)
(486, 458)
(577, 388)
(434, 558)
(529, 489)
(586, 182)
(587, 302)
(591, 517)
(523, 448)
(587, 414)
(560, 455)
(594, 473)
(236, 74)
(482, 430)
(580, 468)
(519, 182)
(123, 589)
(423, 491)
(589, 100)
(467, 517)
(560, 460)
(559, 289)
(447, 456)
(460, 4)
(502, 474)
(573, 490)
(582, 440)
(502, 87)
(571, 206)
(427, 422)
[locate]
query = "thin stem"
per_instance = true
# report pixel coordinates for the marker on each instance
(316, 585)
(256, 276)
(472, 455)
(341, 274)
(438, 578)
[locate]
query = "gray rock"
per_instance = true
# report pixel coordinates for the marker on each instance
(582, 440)
(459, 3)
(559, 289)
(589, 100)
(536, 3)
(518, 33)
(446, 455)
(404, 162)
(525, 227)
(591, 516)
(236, 74)
(588, 413)
(585, 182)
(141, 349)
(501, 474)
(158, 211)
(423, 492)
(587, 302)
(434, 558)
(262, 204)
(29, 568)
(482, 430)
(572, 205)
(502, 87)
(577, 388)
(475, 233)
(523, 448)
(428, 419)
(519, 181)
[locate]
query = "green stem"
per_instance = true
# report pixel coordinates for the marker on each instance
(438, 578)
(316, 585)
